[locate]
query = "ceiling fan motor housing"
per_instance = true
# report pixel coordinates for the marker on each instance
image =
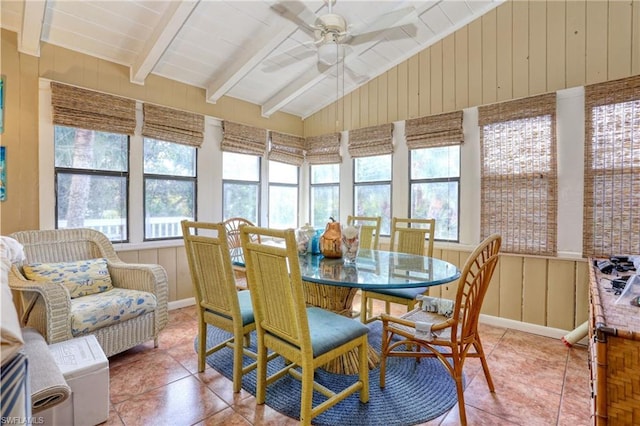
(332, 25)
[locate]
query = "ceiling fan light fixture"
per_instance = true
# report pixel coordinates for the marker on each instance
(330, 53)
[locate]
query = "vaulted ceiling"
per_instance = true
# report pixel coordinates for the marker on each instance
(263, 52)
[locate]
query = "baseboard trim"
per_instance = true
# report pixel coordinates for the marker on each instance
(182, 303)
(540, 330)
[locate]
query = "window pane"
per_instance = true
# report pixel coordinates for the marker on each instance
(168, 158)
(283, 207)
(324, 204)
(91, 150)
(240, 200)
(240, 167)
(325, 173)
(373, 169)
(437, 200)
(89, 201)
(167, 202)
(282, 173)
(374, 200)
(433, 163)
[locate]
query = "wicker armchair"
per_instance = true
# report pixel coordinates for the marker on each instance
(47, 306)
(408, 235)
(451, 337)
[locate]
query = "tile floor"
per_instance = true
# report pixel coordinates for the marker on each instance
(538, 380)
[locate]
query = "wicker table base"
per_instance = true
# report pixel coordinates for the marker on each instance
(339, 300)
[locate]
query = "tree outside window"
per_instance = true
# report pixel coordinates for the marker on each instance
(91, 180)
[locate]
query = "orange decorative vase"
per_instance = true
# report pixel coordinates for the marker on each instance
(331, 240)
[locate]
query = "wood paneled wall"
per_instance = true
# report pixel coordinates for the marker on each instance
(519, 49)
(522, 48)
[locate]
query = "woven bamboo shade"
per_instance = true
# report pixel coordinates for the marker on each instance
(243, 139)
(86, 109)
(287, 149)
(519, 189)
(434, 130)
(612, 168)
(172, 125)
(370, 141)
(323, 149)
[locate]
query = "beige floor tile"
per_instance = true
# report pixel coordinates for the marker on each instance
(183, 402)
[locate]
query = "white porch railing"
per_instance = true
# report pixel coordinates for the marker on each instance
(115, 229)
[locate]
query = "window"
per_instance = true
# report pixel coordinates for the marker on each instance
(169, 188)
(91, 165)
(323, 156)
(92, 180)
(518, 174)
(283, 195)
(612, 168)
(240, 186)
(324, 195)
(372, 189)
(435, 188)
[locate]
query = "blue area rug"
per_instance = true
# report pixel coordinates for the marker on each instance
(414, 392)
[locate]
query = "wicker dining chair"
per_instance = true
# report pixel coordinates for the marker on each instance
(369, 230)
(217, 301)
(451, 339)
(408, 235)
(307, 337)
(232, 226)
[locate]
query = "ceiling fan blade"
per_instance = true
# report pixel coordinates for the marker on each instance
(298, 13)
(383, 22)
(357, 71)
(408, 30)
(291, 56)
(356, 77)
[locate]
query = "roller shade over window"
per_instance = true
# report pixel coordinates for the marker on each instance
(371, 141)
(323, 149)
(87, 109)
(612, 168)
(287, 149)
(519, 188)
(172, 125)
(243, 139)
(434, 130)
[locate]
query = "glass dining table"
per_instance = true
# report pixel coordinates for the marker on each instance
(375, 270)
(333, 283)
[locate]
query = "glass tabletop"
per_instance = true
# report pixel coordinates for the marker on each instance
(378, 269)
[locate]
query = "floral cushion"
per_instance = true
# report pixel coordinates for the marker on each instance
(82, 278)
(95, 311)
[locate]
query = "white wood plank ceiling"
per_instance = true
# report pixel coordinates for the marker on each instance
(262, 52)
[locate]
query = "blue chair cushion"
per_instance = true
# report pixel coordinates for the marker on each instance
(329, 330)
(246, 308)
(405, 293)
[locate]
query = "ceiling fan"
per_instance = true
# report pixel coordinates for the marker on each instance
(332, 36)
